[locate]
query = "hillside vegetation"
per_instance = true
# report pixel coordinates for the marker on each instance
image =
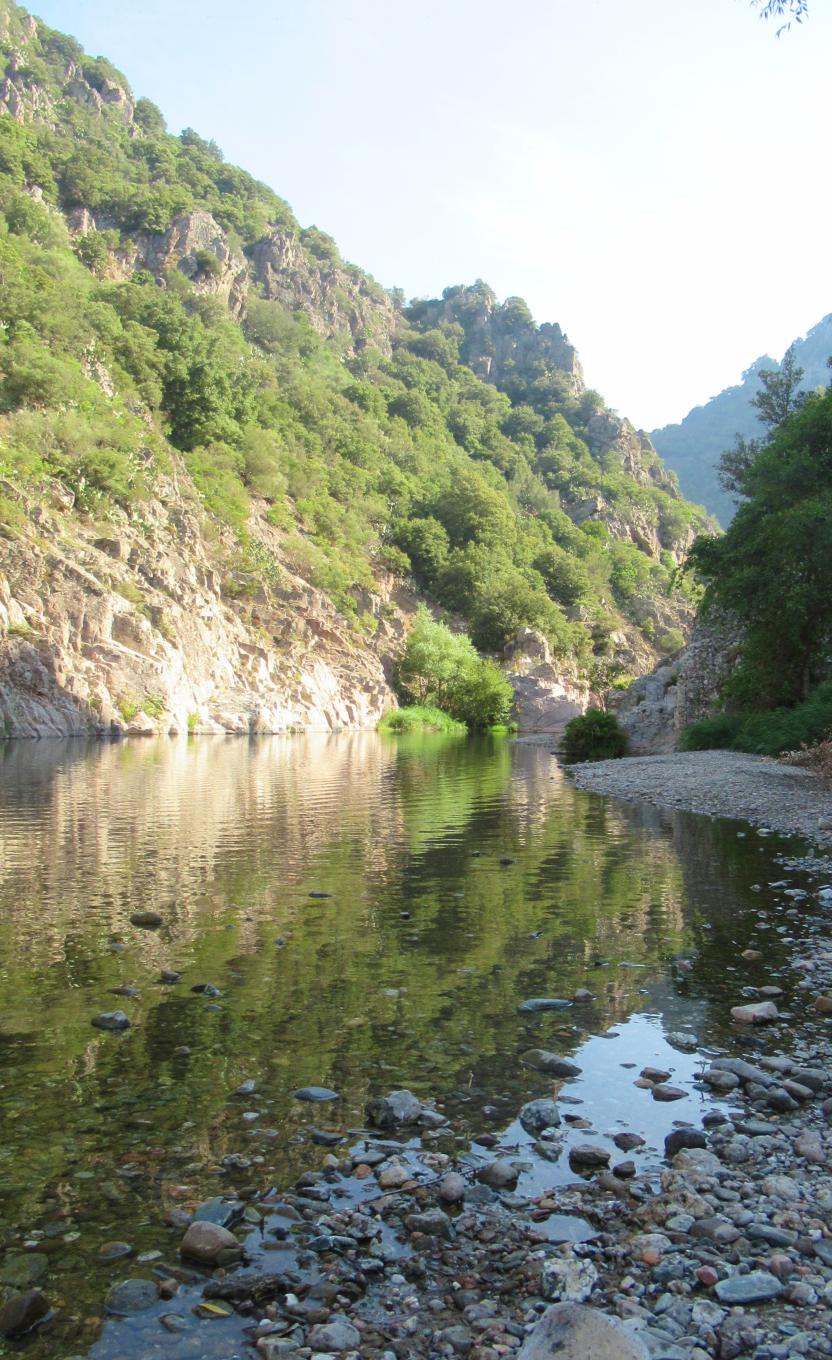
(165, 321)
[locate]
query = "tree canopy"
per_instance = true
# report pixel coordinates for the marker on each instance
(773, 567)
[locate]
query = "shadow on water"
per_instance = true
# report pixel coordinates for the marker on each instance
(409, 973)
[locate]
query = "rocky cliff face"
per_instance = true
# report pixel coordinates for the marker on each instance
(654, 709)
(143, 631)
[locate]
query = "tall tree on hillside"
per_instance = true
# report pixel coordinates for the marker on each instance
(773, 566)
(779, 397)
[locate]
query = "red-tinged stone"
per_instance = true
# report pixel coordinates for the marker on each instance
(781, 1265)
(650, 1257)
(707, 1275)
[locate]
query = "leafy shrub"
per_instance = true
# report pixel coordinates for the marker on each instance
(442, 669)
(593, 736)
(419, 718)
(765, 734)
(710, 734)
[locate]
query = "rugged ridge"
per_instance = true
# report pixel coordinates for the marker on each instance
(230, 546)
(693, 446)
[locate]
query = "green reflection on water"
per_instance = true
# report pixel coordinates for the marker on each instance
(409, 974)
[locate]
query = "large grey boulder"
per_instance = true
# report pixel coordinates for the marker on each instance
(573, 1331)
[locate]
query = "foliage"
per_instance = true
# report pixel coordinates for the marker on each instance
(419, 718)
(441, 669)
(595, 735)
(767, 734)
(773, 568)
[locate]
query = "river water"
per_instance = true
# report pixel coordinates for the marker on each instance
(408, 973)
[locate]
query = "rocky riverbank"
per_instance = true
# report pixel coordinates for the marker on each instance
(719, 784)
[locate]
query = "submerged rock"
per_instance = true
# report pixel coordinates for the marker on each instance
(210, 1244)
(588, 1157)
(758, 1013)
(538, 1115)
(544, 1061)
(316, 1093)
(498, 1175)
(398, 1107)
(131, 1296)
(23, 1312)
(112, 1020)
(148, 920)
(543, 1003)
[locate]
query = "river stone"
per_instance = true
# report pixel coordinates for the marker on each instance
(574, 1331)
(757, 1014)
(683, 1138)
(131, 1296)
(21, 1313)
(452, 1188)
(114, 1251)
(499, 1175)
(755, 1287)
(538, 1115)
(206, 1242)
(169, 976)
(746, 1071)
(543, 1003)
(627, 1141)
(568, 1279)
(149, 920)
(218, 1210)
(719, 1080)
(433, 1223)
(688, 1043)
(112, 1020)
(588, 1157)
(667, 1093)
(654, 1074)
(315, 1093)
(543, 1061)
(338, 1334)
(394, 1176)
(398, 1107)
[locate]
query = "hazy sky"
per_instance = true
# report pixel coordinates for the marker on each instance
(653, 174)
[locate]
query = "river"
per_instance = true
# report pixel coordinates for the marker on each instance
(371, 912)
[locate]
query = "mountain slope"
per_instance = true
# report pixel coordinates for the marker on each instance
(188, 378)
(693, 447)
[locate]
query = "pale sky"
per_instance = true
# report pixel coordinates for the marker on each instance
(652, 174)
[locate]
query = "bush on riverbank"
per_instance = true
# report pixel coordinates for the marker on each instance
(442, 670)
(593, 736)
(765, 734)
(419, 718)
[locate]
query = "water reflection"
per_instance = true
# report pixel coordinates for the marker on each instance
(409, 973)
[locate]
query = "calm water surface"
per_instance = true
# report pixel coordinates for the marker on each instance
(409, 973)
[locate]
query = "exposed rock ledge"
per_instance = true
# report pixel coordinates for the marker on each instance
(144, 631)
(720, 784)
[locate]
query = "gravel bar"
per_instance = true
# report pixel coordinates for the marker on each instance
(719, 784)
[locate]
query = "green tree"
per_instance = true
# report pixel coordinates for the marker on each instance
(773, 567)
(443, 669)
